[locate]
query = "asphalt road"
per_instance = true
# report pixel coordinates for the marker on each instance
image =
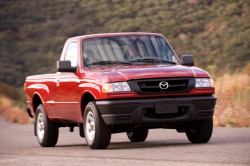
(228, 146)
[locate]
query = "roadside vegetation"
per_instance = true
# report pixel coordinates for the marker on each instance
(32, 33)
(13, 113)
(12, 105)
(233, 104)
(216, 32)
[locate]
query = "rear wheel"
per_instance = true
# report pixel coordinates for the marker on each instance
(46, 130)
(97, 133)
(199, 131)
(138, 135)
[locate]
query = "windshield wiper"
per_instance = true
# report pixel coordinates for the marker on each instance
(107, 62)
(151, 60)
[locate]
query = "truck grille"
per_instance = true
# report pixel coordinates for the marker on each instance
(173, 85)
(152, 86)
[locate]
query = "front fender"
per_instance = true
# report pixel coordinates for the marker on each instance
(91, 88)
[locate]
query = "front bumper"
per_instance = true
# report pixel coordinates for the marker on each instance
(142, 111)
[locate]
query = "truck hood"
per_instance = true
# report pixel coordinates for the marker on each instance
(141, 71)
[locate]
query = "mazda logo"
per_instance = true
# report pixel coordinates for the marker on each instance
(163, 85)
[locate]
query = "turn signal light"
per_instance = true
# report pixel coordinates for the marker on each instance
(24, 86)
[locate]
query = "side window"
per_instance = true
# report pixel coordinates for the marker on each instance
(71, 54)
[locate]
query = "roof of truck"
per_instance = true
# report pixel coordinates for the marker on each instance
(114, 34)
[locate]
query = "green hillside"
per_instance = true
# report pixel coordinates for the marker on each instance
(33, 32)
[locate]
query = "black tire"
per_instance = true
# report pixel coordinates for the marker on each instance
(199, 131)
(51, 131)
(138, 135)
(102, 132)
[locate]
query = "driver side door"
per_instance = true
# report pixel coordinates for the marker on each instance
(66, 99)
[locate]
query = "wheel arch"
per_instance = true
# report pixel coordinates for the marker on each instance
(36, 101)
(86, 98)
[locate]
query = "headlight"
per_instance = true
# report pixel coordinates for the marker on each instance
(204, 82)
(116, 87)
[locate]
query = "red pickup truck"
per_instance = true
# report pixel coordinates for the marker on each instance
(121, 82)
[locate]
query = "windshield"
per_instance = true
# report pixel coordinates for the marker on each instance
(127, 49)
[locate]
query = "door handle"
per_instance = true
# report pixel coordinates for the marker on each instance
(77, 81)
(57, 82)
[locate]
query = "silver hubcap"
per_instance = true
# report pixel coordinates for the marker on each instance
(90, 126)
(40, 126)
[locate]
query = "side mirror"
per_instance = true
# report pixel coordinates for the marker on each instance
(65, 66)
(187, 60)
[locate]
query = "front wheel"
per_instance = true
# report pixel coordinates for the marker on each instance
(46, 130)
(199, 131)
(97, 133)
